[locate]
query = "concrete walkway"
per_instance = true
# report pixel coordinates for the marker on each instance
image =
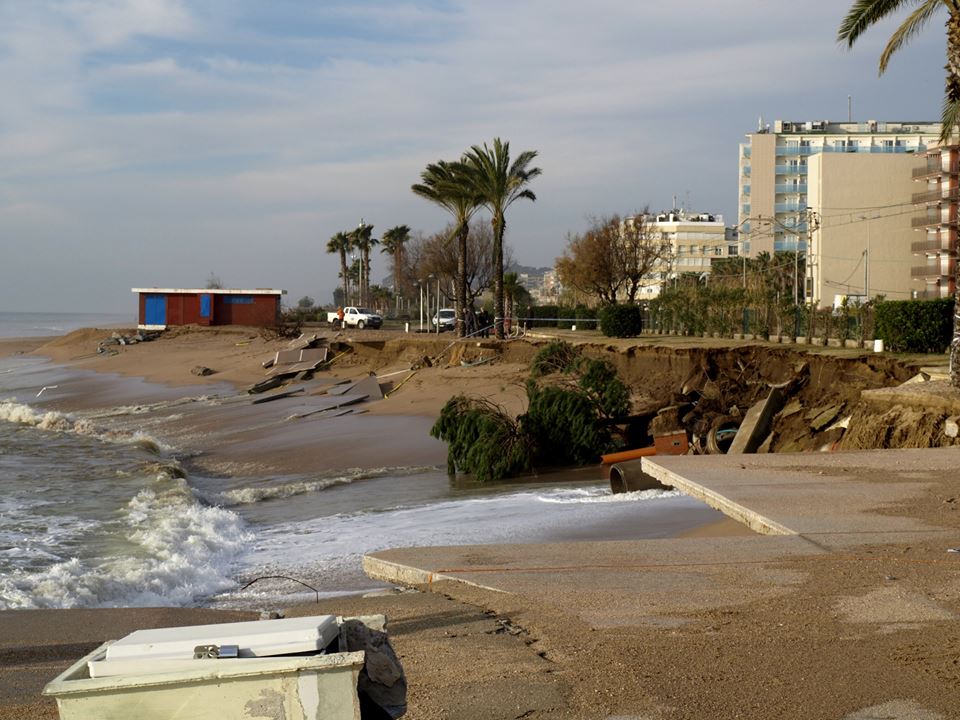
(841, 509)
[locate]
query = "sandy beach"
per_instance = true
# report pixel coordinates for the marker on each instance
(788, 654)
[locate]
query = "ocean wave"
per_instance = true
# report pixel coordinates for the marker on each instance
(21, 414)
(182, 551)
(278, 490)
(55, 421)
(603, 495)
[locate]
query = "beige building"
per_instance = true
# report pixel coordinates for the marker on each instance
(774, 172)
(935, 247)
(695, 241)
(861, 242)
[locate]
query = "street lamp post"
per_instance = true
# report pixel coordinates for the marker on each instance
(866, 259)
(420, 287)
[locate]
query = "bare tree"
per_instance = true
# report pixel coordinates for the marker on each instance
(615, 257)
(437, 255)
(644, 248)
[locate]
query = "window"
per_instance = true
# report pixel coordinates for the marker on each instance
(238, 299)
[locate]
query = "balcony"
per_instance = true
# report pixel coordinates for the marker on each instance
(925, 221)
(746, 190)
(939, 165)
(745, 171)
(934, 245)
(789, 207)
(791, 169)
(745, 209)
(934, 196)
(792, 188)
(932, 272)
(798, 150)
(746, 151)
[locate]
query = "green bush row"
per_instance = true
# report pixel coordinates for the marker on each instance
(915, 325)
(621, 320)
(545, 316)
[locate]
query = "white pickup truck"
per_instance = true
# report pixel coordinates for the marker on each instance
(356, 317)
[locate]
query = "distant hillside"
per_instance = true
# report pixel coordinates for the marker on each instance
(528, 269)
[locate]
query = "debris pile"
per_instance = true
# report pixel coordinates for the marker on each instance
(120, 339)
(314, 395)
(758, 403)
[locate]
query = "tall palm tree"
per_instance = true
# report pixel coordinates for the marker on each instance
(499, 182)
(341, 243)
(392, 243)
(865, 13)
(363, 241)
(449, 185)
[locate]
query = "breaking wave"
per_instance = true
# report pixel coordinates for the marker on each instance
(169, 550)
(55, 421)
(602, 495)
(259, 493)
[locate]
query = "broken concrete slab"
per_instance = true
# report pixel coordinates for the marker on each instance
(265, 385)
(368, 386)
(304, 341)
(821, 417)
(328, 408)
(757, 423)
(277, 395)
(314, 354)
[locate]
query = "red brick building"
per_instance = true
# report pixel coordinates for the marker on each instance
(162, 307)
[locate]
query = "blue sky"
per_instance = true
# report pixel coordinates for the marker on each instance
(151, 142)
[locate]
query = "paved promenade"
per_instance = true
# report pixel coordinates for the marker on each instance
(852, 554)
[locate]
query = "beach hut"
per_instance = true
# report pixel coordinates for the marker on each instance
(163, 307)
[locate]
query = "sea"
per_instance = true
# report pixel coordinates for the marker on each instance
(99, 513)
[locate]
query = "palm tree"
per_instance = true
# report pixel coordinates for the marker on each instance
(363, 241)
(392, 243)
(448, 185)
(865, 13)
(498, 183)
(341, 243)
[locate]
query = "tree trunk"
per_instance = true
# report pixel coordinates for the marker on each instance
(498, 230)
(461, 279)
(953, 96)
(343, 273)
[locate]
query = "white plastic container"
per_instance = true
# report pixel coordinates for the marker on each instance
(152, 676)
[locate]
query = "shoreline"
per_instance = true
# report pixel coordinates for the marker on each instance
(26, 652)
(777, 641)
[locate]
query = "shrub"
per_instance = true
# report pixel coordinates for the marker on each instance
(915, 325)
(621, 320)
(557, 356)
(564, 425)
(482, 438)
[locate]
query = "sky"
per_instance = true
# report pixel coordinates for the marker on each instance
(150, 143)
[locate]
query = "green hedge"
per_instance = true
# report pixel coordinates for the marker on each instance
(621, 321)
(915, 325)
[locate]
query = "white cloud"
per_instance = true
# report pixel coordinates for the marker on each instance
(184, 130)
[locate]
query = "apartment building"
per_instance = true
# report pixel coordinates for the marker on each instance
(774, 169)
(696, 239)
(935, 249)
(861, 245)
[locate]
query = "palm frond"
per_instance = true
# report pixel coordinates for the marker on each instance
(863, 14)
(910, 27)
(950, 119)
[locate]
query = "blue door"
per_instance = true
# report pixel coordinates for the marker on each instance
(155, 310)
(205, 305)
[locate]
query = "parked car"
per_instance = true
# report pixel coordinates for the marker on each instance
(447, 319)
(356, 317)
